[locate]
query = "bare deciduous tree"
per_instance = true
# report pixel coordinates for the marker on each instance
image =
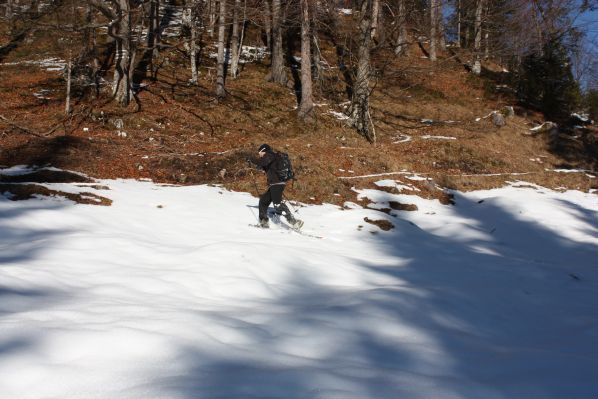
(477, 64)
(277, 71)
(458, 12)
(190, 17)
(401, 20)
(440, 26)
(375, 17)
(220, 92)
(306, 105)
(212, 16)
(267, 18)
(69, 69)
(360, 102)
(8, 10)
(235, 41)
(433, 28)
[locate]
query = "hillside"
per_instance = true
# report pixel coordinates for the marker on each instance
(451, 258)
(427, 121)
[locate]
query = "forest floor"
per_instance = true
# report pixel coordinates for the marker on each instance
(430, 121)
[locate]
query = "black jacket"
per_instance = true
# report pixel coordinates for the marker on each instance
(268, 164)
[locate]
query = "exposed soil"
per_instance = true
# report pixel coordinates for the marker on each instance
(382, 223)
(18, 192)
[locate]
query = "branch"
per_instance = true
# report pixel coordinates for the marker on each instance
(74, 28)
(103, 8)
(49, 132)
(24, 129)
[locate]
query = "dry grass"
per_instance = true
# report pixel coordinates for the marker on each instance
(181, 134)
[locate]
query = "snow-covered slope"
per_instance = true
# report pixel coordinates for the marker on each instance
(169, 293)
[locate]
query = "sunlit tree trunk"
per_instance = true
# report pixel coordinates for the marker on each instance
(234, 65)
(477, 65)
(121, 83)
(401, 47)
(360, 105)
(268, 24)
(375, 16)
(190, 19)
(440, 26)
(220, 92)
(211, 16)
(458, 23)
(155, 26)
(316, 58)
(153, 34)
(433, 26)
(306, 106)
(91, 47)
(193, 54)
(486, 35)
(69, 68)
(277, 71)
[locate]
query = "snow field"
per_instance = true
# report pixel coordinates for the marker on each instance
(494, 297)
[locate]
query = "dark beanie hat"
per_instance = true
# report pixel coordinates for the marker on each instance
(264, 147)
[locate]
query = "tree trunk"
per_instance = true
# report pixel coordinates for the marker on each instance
(234, 65)
(268, 24)
(151, 30)
(121, 84)
(440, 26)
(91, 49)
(96, 63)
(153, 34)
(156, 32)
(69, 68)
(316, 58)
(401, 47)
(433, 25)
(243, 23)
(466, 36)
(193, 55)
(87, 32)
(306, 107)
(459, 23)
(360, 103)
(375, 15)
(8, 11)
(220, 92)
(477, 65)
(277, 72)
(486, 34)
(211, 16)
(192, 22)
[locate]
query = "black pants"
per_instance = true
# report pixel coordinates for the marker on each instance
(274, 195)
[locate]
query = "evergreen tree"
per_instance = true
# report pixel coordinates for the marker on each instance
(547, 82)
(591, 100)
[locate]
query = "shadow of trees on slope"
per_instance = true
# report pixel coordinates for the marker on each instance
(494, 316)
(18, 245)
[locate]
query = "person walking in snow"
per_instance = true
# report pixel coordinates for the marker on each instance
(278, 170)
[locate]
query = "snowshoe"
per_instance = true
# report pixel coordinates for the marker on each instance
(297, 224)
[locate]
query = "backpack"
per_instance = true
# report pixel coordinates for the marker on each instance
(283, 167)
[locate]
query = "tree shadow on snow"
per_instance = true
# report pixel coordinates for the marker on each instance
(21, 244)
(493, 313)
(18, 246)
